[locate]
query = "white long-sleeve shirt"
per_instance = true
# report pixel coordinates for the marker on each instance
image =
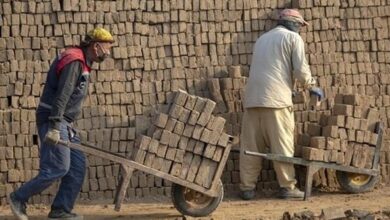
(278, 59)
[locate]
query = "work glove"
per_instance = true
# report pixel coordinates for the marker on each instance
(317, 92)
(52, 136)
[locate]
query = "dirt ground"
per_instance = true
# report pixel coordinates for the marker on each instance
(263, 207)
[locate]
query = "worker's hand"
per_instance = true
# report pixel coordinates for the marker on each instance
(317, 92)
(52, 136)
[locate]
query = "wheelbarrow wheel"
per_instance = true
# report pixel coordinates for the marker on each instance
(356, 183)
(192, 203)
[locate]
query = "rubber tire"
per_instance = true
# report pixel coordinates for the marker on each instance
(349, 186)
(181, 205)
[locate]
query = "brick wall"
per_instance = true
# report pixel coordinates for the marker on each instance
(162, 46)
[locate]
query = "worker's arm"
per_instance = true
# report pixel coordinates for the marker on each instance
(66, 84)
(301, 69)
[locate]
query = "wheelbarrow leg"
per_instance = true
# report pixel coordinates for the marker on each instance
(123, 184)
(311, 169)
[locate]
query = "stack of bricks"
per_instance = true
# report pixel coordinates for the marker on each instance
(165, 45)
(228, 93)
(188, 142)
(346, 137)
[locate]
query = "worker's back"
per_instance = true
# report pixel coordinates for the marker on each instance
(270, 79)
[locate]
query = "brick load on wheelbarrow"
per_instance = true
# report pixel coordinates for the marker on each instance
(186, 145)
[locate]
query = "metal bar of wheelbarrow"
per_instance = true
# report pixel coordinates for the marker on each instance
(129, 166)
(313, 167)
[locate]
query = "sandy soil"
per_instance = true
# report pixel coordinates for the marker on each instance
(263, 207)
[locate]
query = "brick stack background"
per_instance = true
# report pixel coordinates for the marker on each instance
(201, 46)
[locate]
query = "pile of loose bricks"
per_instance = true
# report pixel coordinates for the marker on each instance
(188, 142)
(346, 137)
(166, 45)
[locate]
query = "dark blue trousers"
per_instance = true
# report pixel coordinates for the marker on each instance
(57, 162)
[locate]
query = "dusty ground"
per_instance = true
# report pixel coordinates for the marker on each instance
(264, 207)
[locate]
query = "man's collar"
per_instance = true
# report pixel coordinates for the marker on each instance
(88, 60)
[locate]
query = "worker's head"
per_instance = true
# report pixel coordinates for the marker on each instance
(291, 19)
(98, 43)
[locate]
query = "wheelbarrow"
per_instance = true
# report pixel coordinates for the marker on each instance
(351, 179)
(188, 198)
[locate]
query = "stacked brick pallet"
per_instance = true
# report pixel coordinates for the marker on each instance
(346, 137)
(188, 142)
(162, 46)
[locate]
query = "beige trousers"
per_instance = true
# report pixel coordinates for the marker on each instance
(263, 128)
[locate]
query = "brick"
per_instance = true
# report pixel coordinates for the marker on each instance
(218, 124)
(337, 120)
(342, 109)
(197, 132)
(153, 146)
(186, 165)
(176, 169)
(351, 135)
(193, 119)
(190, 103)
(191, 145)
(205, 137)
(223, 140)
(161, 120)
(218, 154)
(209, 151)
(179, 128)
(203, 118)
(330, 131)
(353, 99)
(144, 142)
(359, 156)
(184, 116)
(318, 142)
(373, 118)
(363, 125)
(174, 140)
(166, 166)
(162, 149)
(330, 143)
(209, 106)
(374, 139)
(183, 142)
(188, 130)
(171, 123)
(196, 160)
(313, 129)
(206, 173)
(180, 98)
(179, 157)
(359, 136)
(343, 133)
(149, 159)
(333, 156)
(367, 137)
(309, 153)
(199, 148)
(304, 140)
(199, 105)
(175, 111)
(170, 154)
(165, 137)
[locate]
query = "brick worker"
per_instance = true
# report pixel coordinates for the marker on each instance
(268, 120)
(61, 101)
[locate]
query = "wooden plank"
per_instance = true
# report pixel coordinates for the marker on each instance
(221, 165)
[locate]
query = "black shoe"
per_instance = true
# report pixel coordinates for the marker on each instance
(286, 193)
(17, 207)
(247, 194)
(56, 214)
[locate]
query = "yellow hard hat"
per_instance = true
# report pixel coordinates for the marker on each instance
(99, 35)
